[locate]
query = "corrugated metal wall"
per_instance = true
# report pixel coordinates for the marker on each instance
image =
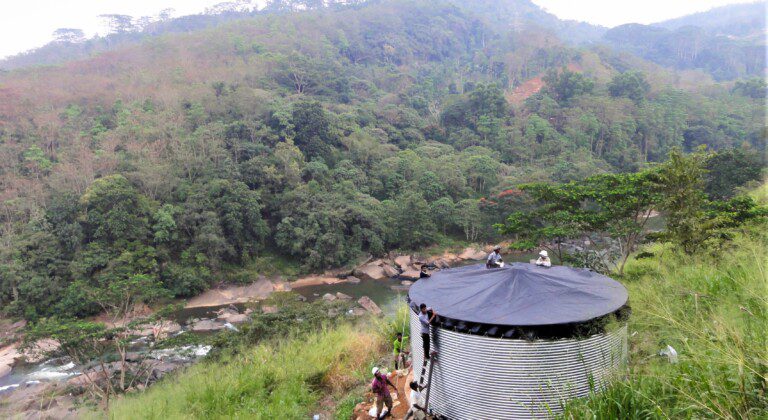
(478, 377)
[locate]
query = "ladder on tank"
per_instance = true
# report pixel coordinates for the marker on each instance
(428, 363)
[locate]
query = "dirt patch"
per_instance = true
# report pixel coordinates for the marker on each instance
(525, 90)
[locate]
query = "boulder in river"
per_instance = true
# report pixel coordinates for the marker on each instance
(410, 274)
(342, 296)
(238, 319)
(207, 325)
(389, 271)
(353, 280)
(403, 261)
(223, 313)
(329, 297)
(369, 305)
(371, 271)
(170, 327)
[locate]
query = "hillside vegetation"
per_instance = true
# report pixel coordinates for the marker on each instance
(713, 310)
(322, 137)
(727, 42)
(710, 306)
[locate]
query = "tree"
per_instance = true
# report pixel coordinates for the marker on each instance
(630, 84)
(442, 211)
(730, 169)
(312, 130)
(68, 35)
(681, 180)
(558, 216)
(624, 204)
(617, 204)
(412, 224)
(754, 88)
(694, 222)
(469, 218)
(119, 24)
(565, 85)
(114, 211)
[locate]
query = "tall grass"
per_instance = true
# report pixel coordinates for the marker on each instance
(274, 380)
(713, 309)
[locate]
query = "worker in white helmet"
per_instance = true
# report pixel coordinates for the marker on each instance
(380, 390)
(544, 260)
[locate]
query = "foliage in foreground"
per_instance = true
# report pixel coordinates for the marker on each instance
(713, 309)
(280, 380)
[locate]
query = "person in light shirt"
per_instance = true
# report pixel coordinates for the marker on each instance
(416, 402)
(494, 259)
(544, 260)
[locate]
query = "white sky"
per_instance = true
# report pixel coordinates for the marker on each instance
(27, 24)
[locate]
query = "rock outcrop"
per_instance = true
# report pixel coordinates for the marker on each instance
(389, 271)
(472, 254)
(369, 305)
(403, 261)
(410, 274)
(205, 325)
(371, 271)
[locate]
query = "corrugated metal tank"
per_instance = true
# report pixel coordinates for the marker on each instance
(478, 377)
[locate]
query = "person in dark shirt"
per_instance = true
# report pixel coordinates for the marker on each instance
(380, 390)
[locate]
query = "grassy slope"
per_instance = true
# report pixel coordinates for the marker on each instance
(283, 380)
(713, 309)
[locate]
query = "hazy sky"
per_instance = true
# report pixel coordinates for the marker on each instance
(617, 12)
(26, 24)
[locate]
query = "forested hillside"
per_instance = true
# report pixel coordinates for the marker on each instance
(321, 136)
(727, 42)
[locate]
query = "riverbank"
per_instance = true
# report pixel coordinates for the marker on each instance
(225, 308)
(399, 267)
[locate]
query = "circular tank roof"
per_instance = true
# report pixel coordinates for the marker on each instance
(519, 294)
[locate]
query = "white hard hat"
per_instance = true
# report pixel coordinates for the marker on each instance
(543, 253)
(375, 370)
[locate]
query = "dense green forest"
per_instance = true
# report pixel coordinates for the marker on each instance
(324, 136)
